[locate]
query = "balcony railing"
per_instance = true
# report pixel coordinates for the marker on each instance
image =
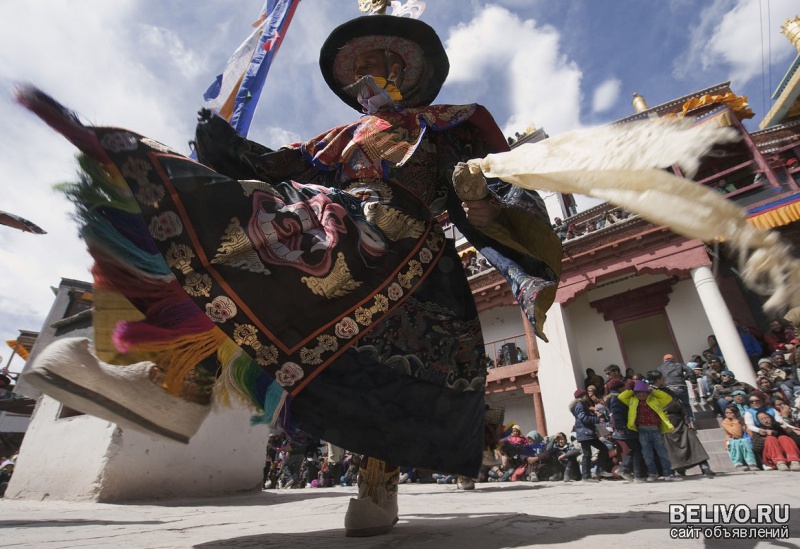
(507, 351)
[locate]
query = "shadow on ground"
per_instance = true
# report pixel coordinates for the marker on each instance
(490, 531)
(47, 523)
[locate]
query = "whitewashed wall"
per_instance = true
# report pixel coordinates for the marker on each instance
(85, 458)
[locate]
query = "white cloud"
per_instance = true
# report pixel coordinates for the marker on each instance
(606, 95)
(158, 40)
(522, 60)
(738, 35)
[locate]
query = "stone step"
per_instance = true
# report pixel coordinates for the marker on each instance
(703, 424)
(703, 413)
(719, 461)
(709, 436)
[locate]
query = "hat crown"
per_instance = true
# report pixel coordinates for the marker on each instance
(426, 63)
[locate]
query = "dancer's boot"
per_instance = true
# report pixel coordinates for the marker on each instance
(375, 510)
(129, 395)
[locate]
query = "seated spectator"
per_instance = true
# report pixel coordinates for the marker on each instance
(738, 441)
(723, 391)
(740, 400)
(712, 374)
(778, 377)
(585, 425)
(713, 346)
(532, 460)
(779, 361)
(500, 359)
(6, 471)
(564, 458)
(646, 416)
(759, 402)
(441, 478)
(500, 473)
(778, 335)
(765, 386)
(511, 447)
(699, 389)
(594, 379)
(789, 413)
(778, 449)
(751, 344)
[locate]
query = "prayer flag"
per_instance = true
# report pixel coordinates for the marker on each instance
(235, 93)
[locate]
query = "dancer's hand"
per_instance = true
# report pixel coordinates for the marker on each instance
(481, 212)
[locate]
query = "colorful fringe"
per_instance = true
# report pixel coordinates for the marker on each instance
(175, 333)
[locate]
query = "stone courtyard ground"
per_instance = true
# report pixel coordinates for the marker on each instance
(494, 516)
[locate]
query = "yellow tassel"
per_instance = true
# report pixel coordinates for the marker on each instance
(177, 357)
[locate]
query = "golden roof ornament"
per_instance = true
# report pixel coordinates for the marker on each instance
(639, 104)
(791, 30)
(412, 8)
(373, 6)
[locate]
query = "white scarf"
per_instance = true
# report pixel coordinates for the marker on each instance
(625, 165)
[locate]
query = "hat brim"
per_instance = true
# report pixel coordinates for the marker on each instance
(416, 42)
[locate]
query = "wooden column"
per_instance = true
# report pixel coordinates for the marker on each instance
(541, 421)
(530, 338)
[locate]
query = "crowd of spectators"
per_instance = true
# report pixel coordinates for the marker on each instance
(634, 426)
(474, 263)
(569, 231)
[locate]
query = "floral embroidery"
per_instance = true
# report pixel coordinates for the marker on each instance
(221, 309)
(289, 374)
(395, 291)
(346, 328)
(425, 256)
(137, 169)
(149, 193)
(165, 225)
(153, 144)
(119, 141)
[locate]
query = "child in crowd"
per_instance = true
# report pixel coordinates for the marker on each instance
(740, 400)
(565, 458)
(646, 415)
(737, 440)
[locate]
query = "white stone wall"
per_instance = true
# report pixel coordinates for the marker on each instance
(688, 320)
(556, 374)
(85, 458)
(519, 409)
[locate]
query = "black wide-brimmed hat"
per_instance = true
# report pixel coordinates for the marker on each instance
(417, 43)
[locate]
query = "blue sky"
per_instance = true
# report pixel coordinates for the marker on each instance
(143, 64)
